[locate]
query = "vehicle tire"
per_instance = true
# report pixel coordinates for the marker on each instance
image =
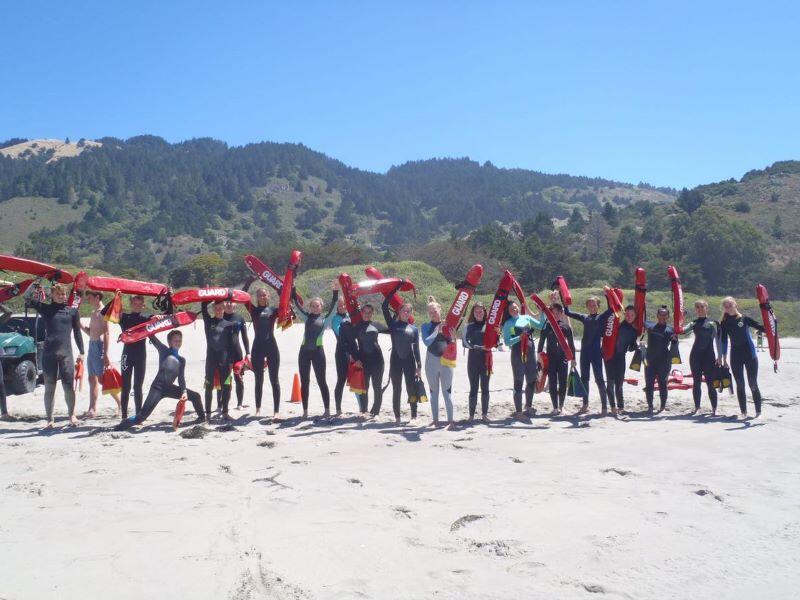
(23, 378)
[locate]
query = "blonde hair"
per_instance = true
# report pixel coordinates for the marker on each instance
(593, 298)
(732, 301)
(60, 287)
(432, 303)
(701, 302)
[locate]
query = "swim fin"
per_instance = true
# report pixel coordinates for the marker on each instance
(674, 353)
(636, 361)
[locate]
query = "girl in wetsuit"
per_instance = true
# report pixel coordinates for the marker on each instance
(220, 334)
(171, 366)
(439, 376)
(736, 328)
(236, 350)
(557, 364)
(342, 328)
(659, 361)
(518, 335)
(405, 362)
(61, 322)
(477, 372)
(591, 352)
(366, 351)
(311, 351)
(703, 359)
(134, 356)
(265, 348)
(616, 365)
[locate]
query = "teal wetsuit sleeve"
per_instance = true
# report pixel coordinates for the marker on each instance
(508, 329)
(537, 323)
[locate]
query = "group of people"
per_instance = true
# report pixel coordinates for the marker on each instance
(360, 344)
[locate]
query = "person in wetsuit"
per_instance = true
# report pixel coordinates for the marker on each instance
(703, 358)
(220, 335)
(616, 365)
(171, 366)
(518, 335)
(591, 351)
(236, 352)
(265, 348)
(134, 356)
(735, 328)
(342, 328)
(438, 374)
(557, 364)
(367, 353)
(477, 372)
(5, 316)
(312, 353)
(659, 361)
(405, 361)
(61, 322)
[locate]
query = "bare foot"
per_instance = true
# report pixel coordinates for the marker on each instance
(305, 414)
(758, 414)
(614, 411)
(713, 412)
(450, 426)
(435, 424)
(50, 425)
(89, 414)
(338, 413)
(604, 413)
(277, 417)
(519, 416)
(258, 412)
(73, 421)
(583, 410)
(742, 417)
(326, 415)
(397, 421)
(485, 418)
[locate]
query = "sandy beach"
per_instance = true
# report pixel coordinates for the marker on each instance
(670, 507)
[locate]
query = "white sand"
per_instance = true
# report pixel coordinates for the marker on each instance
(671, 507)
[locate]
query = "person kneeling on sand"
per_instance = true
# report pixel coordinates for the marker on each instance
(171, 366)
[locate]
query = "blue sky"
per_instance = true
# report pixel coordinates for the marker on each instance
(688, 93)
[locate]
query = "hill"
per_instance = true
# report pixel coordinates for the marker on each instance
(147, 202)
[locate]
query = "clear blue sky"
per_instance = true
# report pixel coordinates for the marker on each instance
(688, 93)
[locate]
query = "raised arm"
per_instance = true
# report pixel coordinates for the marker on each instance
(754, 324)
(204, 311)
(303, 314)
(575, 315)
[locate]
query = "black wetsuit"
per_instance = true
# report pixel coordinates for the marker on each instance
(312, 353)
(404, 359)
(265, 350)
(702, 359)
(61, 322)
(367, 350)
(743, 357)
(591, 351)
(557, 363)
(220, 335)
(4, 318)
(615, 366)
(132, 362)
(342, 328)
(171, 367)
(659, 362)
(236, 356)
(477, 372)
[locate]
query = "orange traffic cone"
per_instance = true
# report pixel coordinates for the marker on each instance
(296, 394)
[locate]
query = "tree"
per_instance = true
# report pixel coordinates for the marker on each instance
(627, 249)
(576, 221)
(777, 227)
(610, 214)
(690, 200)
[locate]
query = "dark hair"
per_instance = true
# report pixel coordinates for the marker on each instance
(630, 307)
(507, 312)
(137, 297)
(218, 302)
(369, 306)
(471, 318)
(556, 306)
(173, 334)
(98, 295)
(662, 309)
